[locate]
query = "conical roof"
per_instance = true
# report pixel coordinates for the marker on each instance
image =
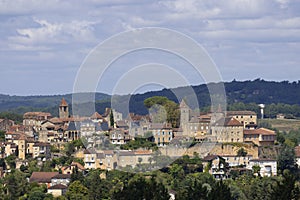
(183, 104)
(96, 115)
(63, 102)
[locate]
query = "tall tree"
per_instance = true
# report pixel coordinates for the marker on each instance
(77, 191)
(111, 118)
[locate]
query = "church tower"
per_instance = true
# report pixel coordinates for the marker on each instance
(63, 109)
(184, 116)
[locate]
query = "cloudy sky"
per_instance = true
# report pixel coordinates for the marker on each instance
(43, 43)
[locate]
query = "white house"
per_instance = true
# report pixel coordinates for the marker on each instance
(268, 167)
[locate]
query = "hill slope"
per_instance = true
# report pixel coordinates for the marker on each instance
(257, 91)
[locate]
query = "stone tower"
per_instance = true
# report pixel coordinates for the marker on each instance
(22, 147)
(63, 109)
(184, 116)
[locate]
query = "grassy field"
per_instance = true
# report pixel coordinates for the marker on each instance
(283, 124)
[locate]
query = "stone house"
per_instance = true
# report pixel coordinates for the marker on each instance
(228, 129)
(69, 169)
(119, 136)
(5, 124)
(244, 117)
(260, 137)
(63, 179)
(162, 133)
(215, 165)
(42, 178)
(57, 190)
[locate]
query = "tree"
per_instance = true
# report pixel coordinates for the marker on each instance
(76, 175)
(39, 193)
(256, 169)
(69, 148)
(285, 188)
(77, 191)
(164, 106)
(111, 118)
(98, 188)
(16, 184)
(220, 191)
(286, 159)
(140, 160)
(242, 152)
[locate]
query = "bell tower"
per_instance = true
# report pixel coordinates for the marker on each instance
(63, 109)
(184, 116)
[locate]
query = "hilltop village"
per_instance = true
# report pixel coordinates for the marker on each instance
(226, 142)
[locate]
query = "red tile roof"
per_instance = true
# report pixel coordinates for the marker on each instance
(63, 102)
(42, 177)
(243, 112)
(96, 115)
(228, 121)
(58, 187)
(260, 131)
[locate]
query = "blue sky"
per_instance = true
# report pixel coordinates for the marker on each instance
(43, 43)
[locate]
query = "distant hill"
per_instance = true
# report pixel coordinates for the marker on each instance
(256, 91)
(49, 103)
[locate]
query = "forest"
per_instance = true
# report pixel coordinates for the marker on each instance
(279, 97)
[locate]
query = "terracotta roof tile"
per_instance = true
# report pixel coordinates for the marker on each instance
(260, 131)
(63, 102)
(243, 112)
(58, 187)
(96, 115)
(42, 177)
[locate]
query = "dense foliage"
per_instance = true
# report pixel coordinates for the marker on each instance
(281, 96)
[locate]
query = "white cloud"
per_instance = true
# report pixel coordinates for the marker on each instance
(61, 32)
(54, 33)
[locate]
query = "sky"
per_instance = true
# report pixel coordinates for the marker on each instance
(44, 43)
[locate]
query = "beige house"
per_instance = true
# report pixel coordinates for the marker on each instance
(260, 137)
(234, 160)
(41, 149)
(228, 129)
(42, 177)
(69, 169)
(119, 136)
(5, 124)
(57, 190)
(35, 119)
(215, 165)
(162, 133)
(244, 117)
(90, 157)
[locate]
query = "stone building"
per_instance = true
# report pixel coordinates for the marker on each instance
(228, 129)
(63, 109)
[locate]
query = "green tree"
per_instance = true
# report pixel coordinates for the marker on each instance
(16, 184)
(76, 175)
(98, 188)
(286, 159)
(256, 169)
(111, 118)
(220, 191)
(242, 152)
(77, 191)
(285, 187)
(170, 107)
